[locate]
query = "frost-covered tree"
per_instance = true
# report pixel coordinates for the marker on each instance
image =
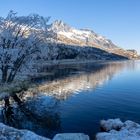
(20, 39)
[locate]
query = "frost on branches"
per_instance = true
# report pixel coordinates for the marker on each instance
(20, 40)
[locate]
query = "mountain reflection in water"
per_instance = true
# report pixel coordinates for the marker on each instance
(42, 110)
(83, 80)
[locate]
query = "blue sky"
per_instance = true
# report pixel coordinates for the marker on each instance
(118, 20)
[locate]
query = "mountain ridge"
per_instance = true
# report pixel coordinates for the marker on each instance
(65, 34)
(86, 36)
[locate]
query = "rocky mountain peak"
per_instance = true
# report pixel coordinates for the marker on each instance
(59, 25)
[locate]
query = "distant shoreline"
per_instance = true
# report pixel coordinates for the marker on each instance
(74, 61)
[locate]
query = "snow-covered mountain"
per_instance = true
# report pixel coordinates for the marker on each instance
(85, 37)
(68, 35)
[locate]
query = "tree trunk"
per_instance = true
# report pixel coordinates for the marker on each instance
(15, 69)
(4, 74)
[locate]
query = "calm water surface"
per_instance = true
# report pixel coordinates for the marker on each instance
(76, 98)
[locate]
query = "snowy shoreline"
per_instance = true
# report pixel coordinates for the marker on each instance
(10, 133)
(114, 129)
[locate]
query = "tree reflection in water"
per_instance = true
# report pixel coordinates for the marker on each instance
(41, 118)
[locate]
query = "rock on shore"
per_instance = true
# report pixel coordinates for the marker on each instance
(71, 136)
(118, 130)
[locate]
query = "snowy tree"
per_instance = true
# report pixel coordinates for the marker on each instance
(20, 39)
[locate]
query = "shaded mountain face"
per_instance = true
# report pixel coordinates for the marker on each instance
(67, 35)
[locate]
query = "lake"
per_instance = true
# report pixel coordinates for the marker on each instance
(74, 98)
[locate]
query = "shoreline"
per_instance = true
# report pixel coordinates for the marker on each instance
(112, 129)
(76, 62)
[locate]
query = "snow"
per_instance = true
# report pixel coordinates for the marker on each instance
(81, 32)
(72, 35)
(75, 34)
(71, 136)
(67, 34)
(117, 130)
(111, 124)
(10, 133)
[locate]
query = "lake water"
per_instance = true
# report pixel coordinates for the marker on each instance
(75, 98)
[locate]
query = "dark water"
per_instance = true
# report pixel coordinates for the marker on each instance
(76, 98)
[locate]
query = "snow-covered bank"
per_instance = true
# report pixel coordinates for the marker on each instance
(118, 130)
(10, 133)
(115, 130)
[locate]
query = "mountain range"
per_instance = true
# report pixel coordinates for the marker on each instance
(65, 35)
